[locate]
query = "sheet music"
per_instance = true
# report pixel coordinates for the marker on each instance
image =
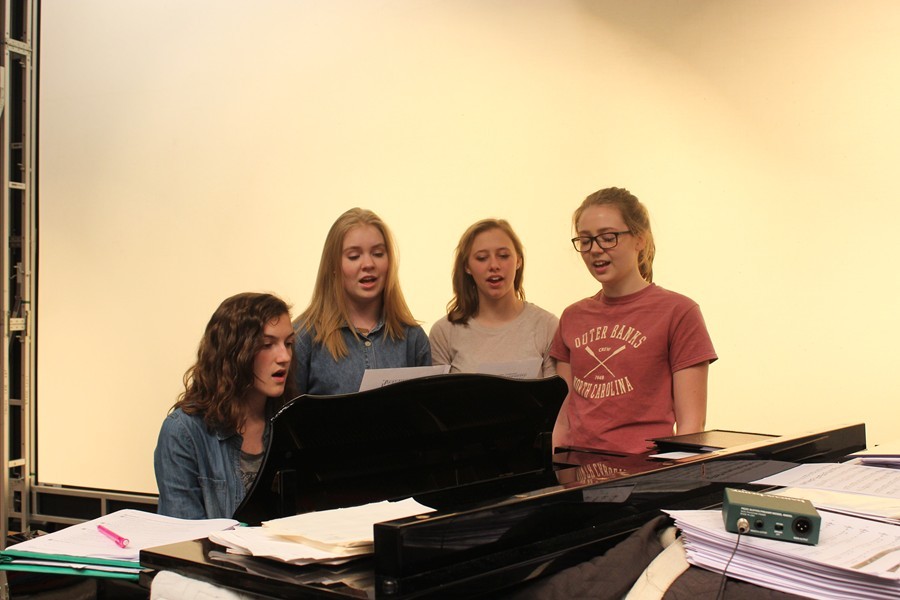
(376, 378)
(262, 542)
(857, 479)
(343, 527)
(142, 529)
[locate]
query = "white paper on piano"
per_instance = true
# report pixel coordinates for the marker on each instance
(376, 378)
(528, 368)
(857, 479)
(142, 529)
(882, 508)
(261, 542)
(343, 527)
(674, 455)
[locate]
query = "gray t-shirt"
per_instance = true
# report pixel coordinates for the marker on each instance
(465, 347)
(250, 464)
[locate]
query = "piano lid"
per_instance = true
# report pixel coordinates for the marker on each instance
(410, 438)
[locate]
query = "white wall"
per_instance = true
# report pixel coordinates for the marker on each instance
(194, 149)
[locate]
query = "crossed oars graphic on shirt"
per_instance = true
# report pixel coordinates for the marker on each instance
(602, 363)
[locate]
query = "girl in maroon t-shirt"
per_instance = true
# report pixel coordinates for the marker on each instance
(635, 356)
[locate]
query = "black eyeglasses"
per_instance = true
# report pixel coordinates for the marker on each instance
(605, 241)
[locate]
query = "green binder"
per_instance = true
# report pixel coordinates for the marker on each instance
(16, 560)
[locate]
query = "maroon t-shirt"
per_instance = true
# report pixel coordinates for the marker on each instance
(623, 352)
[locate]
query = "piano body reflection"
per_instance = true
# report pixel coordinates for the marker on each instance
(477, 449)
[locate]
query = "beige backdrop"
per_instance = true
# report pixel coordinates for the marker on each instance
(193, 149)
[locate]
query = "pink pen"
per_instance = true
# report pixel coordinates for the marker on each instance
(118, 539)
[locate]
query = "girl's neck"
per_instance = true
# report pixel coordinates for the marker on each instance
(255, 405)
(624, 288)
(364, 316)
(499, 311)
(253, 426)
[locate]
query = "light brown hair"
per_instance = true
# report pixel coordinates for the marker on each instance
(464, 304)
(637, 220)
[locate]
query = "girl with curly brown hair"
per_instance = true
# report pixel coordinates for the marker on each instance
(212, 442)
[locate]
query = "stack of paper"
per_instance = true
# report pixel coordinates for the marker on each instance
(329, 536)
(259, 542)
(855, 558)
(83, 550)
(858, 555)
(872, 460)
(883, 455)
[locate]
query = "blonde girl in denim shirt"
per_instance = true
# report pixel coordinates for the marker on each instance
(211, 444)
(358, 318)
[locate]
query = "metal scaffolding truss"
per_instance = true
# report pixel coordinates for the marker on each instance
(17, 259)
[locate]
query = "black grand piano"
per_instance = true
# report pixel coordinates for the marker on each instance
(477, 449)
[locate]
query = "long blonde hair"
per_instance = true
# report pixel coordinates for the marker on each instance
(327, 312)
(636, 217)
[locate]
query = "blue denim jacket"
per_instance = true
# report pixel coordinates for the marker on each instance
(317, 372)
(198, 472)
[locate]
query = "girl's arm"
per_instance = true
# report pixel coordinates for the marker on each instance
(421, 345)
(561, 430)
(177, 472)
(300, 361)
(689, 388)
(439, 339)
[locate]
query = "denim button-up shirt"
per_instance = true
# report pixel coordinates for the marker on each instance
(198, 472)
(317, 372)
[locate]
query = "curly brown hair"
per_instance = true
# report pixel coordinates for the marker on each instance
(223, 374)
